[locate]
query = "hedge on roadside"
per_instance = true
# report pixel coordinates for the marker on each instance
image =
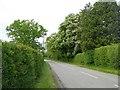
(85, 58)
(106, 56)
(21, 65)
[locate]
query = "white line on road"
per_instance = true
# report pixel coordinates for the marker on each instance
(71, 68)
(89, 74)
(116, 85)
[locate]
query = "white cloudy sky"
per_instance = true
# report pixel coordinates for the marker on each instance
(49, 13)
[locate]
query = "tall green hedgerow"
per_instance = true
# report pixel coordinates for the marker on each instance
(85, 58)
(21, 65)
(105, 56)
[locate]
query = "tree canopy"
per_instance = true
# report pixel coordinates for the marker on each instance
(27, 32)
(92, 27)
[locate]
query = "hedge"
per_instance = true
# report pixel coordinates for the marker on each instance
(84, 58)
(0, 65)
(105, 56)
(21, 65)
(0, 53)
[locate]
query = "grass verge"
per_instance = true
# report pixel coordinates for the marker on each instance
(102, 69)
(46, 80)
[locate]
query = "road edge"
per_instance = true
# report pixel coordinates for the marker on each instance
(56, 78)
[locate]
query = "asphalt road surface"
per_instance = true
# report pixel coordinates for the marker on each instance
(72, 76)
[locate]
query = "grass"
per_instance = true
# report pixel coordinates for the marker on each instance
(102, 69)
(46, 80)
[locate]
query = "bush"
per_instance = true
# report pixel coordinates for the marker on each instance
(108, 56)
(85, 58)
(100, 56)
(105, 56)
(89, 56)
(21, 65)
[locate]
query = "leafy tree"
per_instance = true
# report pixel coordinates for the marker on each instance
(108, 21)
(26, 32)
(67, 36)
(94, 26)
(49, 45)
(72, 34)
(100, 25)
(65, 43)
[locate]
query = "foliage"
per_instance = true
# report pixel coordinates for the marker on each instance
(93, 27)
(21, 65)
(0, 54)
(100, 25)
(26, 32)
(49, 43)
(106, 56)
(65, 44)
(0, 64)
(46, 80)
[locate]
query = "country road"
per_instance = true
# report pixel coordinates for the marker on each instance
(71, 76)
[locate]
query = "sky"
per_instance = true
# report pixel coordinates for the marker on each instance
(48, 13)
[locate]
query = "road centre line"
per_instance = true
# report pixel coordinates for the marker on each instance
(89, 74)
(71, 68)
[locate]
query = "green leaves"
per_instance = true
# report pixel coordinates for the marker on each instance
(93, 27)
(21, 65)
(98, 26)
(106, 56)
(26, 32)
